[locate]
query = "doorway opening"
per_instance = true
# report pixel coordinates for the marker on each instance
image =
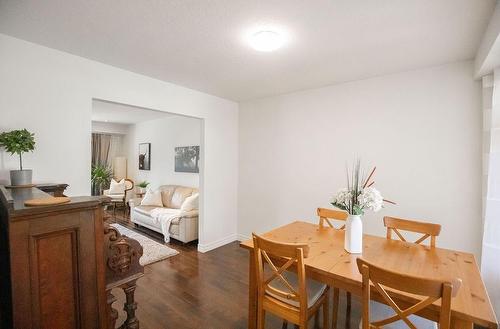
(149, 164)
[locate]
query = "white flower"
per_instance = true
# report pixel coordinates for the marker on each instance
(370, 198)
(343, 196)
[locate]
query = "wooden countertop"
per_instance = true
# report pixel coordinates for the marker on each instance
(14, 201)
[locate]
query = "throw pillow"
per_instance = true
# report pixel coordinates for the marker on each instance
(191, 203)
(152, 198)
(117, 187)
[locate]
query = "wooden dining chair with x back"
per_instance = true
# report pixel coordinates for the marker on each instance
(327, 218)
(428, 230)
(378, 315)
(283, 288)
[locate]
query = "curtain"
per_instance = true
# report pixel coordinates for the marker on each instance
(115, 148)
(100, 149)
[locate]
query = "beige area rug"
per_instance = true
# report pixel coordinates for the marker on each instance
(152, 250)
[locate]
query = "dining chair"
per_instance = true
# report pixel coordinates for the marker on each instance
(283, 292)
(428, 230)
(326, 216)
(393, 316)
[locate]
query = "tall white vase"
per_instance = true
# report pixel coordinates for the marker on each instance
(353, 242)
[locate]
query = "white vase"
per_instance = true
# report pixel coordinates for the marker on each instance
(353, 242)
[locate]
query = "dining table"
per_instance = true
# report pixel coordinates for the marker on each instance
(329, 263)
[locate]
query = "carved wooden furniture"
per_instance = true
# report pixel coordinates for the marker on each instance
(53, 189)
(122, 271)
(431, 291)
(328, 262)
(286, 294)
(326, 216)
(52, 262)
(428, 230)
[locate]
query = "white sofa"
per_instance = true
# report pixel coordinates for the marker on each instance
(184, 228)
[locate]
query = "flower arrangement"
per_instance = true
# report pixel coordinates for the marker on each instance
(360, 195)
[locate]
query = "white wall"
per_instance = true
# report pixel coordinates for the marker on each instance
(50, 92)
(422, 129)
(491, 242)
(164, 135)
(109, 128)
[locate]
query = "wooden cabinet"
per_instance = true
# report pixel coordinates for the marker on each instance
(52, 263)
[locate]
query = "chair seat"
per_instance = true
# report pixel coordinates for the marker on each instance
(314, 289)
(116, 197)
(379, 311)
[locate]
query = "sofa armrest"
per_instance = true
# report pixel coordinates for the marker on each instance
(134, 202)
(189, 214)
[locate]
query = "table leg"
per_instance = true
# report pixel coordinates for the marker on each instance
(252, 293)
(461, 324)
(130, 306)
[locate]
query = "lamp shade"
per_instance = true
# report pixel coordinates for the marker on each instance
(120, 167)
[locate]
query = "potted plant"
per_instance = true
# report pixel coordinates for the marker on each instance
(360, 195)
(19, 142)
(142, 186)
(100, 176)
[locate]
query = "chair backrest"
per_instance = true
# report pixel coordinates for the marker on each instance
(290, 254)
(426, 229)
(325, 215)
(129, 184)
(433, 290)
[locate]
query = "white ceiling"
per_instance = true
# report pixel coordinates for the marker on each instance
(124, 114)
(201, 45)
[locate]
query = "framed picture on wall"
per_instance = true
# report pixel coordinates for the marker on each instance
(145, 156)
(187, 158)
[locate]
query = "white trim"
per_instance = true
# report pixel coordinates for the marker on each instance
(216, 244)
(243, 237)
(492, 246)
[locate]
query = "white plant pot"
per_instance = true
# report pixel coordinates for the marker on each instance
(353, 242)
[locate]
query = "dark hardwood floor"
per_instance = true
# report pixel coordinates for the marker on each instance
(201, 290)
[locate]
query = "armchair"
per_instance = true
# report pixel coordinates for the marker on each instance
(121, 198)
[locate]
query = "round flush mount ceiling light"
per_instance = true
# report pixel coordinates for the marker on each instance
(266, 40)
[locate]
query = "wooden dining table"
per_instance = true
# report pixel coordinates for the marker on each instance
(328, 262)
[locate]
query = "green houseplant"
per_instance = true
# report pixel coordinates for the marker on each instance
(19, 142)
(142, 186)
(100, 176)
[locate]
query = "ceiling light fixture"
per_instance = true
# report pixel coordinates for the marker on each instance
(266, 40)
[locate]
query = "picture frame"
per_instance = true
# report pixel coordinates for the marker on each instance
(187, 159)
(145, 156)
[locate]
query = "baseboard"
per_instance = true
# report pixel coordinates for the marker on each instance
(243, 237)
(216, 244)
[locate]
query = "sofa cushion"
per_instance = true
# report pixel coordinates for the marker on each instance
(166, 194)
(180, 194)
(152, 198)
(145, 210)
(117, 187)
(190, 203)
